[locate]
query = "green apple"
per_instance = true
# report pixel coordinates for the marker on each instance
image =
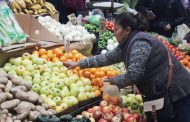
(74, 78)
(65, 92)
(35, 72)
(64, 106)
(37, 76)
(58, 64)
(58, 109)
(54, 74)
(88, 88)
(45, 90)
(54, 79)
(48, 70)
(36, 87)
(26, 62)
(12, 60)
(63, 69)
(28, 78)
(67, 81)
(12, 72)
(81, 89)
(82, 96)
(26, 73)
(44, 97)
(46, 74)
(26, 56)
(86, 81)
(40, 68)
(51, 103)
(49, 64)
(18, 61)
(80, 83)
(46, 78)
(56, 69)
(68, 101)
(62, 75)
(7, 68)
(59, 84)
(20, 70)
(69, 73)
(74, 100)
(8, 64)
(29, 68)
(40, 61)
(139, 98)
(45, 84)
(51, 85)
(55, 92)
(57, 100)
(36, 80)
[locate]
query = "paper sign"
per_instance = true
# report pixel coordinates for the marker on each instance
(102, 25)
(72, 18)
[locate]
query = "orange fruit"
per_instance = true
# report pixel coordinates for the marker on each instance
(45, 57)
(92, 70)
(92, 76)
(97, 74)
(102, 74)
(56, 50)
(62, 48)
(109, 73)
(42, 51)
(74, 52)
(62, 58)
(97, 93)
(74, 59)
(94, 83)
(55, 59)
(87, 74)
(50, 55)
(77, 56)
(59, 53)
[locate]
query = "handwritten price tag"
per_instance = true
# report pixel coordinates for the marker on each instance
(72, 18)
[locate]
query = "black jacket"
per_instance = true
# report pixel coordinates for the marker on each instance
(166, 11)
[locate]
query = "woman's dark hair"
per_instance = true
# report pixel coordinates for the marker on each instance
(135, 21)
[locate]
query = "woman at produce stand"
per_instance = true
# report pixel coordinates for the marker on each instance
(147, 62)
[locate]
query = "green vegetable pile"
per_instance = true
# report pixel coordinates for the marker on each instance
(103, 38)
(91, 28)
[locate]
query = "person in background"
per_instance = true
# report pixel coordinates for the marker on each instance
(186, 5)
(163, 15)
(187, 37)
(67, 7)
(147, 62)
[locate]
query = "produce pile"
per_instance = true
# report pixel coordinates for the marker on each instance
(10, 31)
(110, 113)
(57, 85)
(34, 7)
(94, 74)
(110, 25)
(91, 28)
(120, 67)
(66, 32)
(18, 102)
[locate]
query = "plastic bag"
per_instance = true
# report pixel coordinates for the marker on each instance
(111, 94)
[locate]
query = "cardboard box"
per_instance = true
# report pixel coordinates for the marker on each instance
(34, 29)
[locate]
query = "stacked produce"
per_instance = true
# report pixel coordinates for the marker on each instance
(66, 32)
(133, 102)
(17, 101)
(110, 113)
(110, 25)
(94, 74)
(33, 7)
(91, 28)
(10, 31)
(57, 85)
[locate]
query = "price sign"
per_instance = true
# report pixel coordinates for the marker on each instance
(72, 18)
(102, 25)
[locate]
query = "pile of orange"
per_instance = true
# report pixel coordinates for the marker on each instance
(58, 54)
(96, 75)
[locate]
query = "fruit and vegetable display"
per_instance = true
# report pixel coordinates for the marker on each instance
(94, 74)
(33, 7)
(110, 25)
(59, 87)
(10, 31)
(66, 32)
(111, 113)
(17, 100)
(91, 28)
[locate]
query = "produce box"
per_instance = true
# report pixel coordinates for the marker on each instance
(34, 29)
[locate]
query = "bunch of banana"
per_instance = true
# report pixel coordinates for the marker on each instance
(32, 7)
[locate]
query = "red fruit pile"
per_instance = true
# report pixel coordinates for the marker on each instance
(109, 113)
(110, 25)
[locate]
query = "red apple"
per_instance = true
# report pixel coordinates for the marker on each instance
(96, 108)
(108, 117)
(103, 103)
(102, 120)
(136, 116)
(116, 119)
(125, 110)
(131, 119)
(106, 109)
(116, 110)
(97, 115)
(90, 110)
(126, 115)
(111, 106)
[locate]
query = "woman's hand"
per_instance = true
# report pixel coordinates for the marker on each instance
(71, 65)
